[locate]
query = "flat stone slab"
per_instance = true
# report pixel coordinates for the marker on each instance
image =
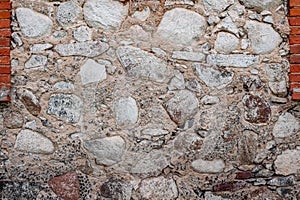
(126, 111)
(206, 166)
(232, 60)
(92, 72)
(286, 126)
(288, 162)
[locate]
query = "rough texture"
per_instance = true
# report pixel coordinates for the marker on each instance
(126, 111)
(288, 162)
(91, 72)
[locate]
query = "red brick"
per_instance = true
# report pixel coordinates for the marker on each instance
(295, 68)
(295, 30)
(5, 15)
(294, 21)
(5, 42)
(5, 33)
(295, 59)
(295, 12)
(294, 3)
(243, 175)
(5, 69)
(296, 96)
(5, 6)
(4, 78)
(294, 39)
(294, 85)
(295, 48)
(4, 51)
(4, 0)
(4, 23)
(294, 77)
(4, 60)
(4, 88)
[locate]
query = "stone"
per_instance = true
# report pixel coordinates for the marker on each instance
(288, 162)
(126, 111)
(188, 56)
(13, 120)
(282, 181)
(232, 60)
(87, 49)
(142, 15)
(264, 39)
(92, 72)
(177, 82)
(33, 24)
(82, 34)
(17, 39)
(183, 106)
(66, 107)
(260, 5)
(33, 142)
(181, 26)
(251, 83)
(20, 190)
(115, 188)
(36, 61)
(141, 64)
(227, 25)
(154, 132)
(62, 85)
(216, 5)
(37, 48)
(247, 147)
(256, 109)
(210, 100)
(107, 151)
(211, 196)
(244, 175)
(213, 20)
(66, 186)
(226, 42)
(286, 126)
(31, 125)
(194, 86)
(68, 13)
(213, 77)
(179, 2)
(31, 102)
(229, 186)
(104, 14)
(207, 166)
(158, 188)
(277, 81)
(187, 141)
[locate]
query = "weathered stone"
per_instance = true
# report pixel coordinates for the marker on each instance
(37, 48)
(88, 49)
(33, 24)
(141, 64)
(227, 25)
(288, 162)
(33, 142)
(182, 106)
(251, 83)
(179, 2)
(154, 132)
(260, 5)
(68, 13)
(277, 81)
(66, 186)
(92, 72)
(256, 109)
(62, 85)
(20, 190)
(244, 175)
(282, 181)
(247, 147)
(286, 126)
(158, 188)
(126, 111)
(116, 189)
(232, 60)
(36, 61)
(66, 107)
(104, 14)
(13, 120)
(206, 166)
(210, 100)
(213, 77)
(216, 5)
(194, 86)
(226, 42)
(229, 186)
(177, 82)
(264, 39)
(82, 34)
(108, 151)
(211, 196)
(31, 102)
(189, 56)
(142, 15)
(187, 141)
(181, 26)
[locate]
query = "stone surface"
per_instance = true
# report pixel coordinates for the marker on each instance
(256, 109)
(141, 64)
(216, 5)
(107, 151)
(31, 102)
(226, 42)
(36, 61)
(13, 120)
(143, 14)
(277, 80)
(20, 189)
(126, 111)
(232, 60)
(206, 166)
(177, 82)
(158, 188)
(68, 13)
(211, 196)
(27, 138)
(116, 189)
(261, 5)
(181, 26)
(247, 147)
(288, 162)
(286, 126)
(282, 181)
(82, 34)
(189, 56)
(62, 85)
(36, 48)
(210, 100)
(92, 72)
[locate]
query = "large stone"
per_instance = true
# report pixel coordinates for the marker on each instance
(82, 34)
(33, 142)
(277, 81)
(13, 120)
(213, 77)
(68, 13)
(88, 49)
(264, 39)
(226, 42)
(116, 189)
(126, 111)
(104, 14)
(286, 126)
(211, 196)
(158, 188)
(216, 5)
(282, 181)
(206, 166)
(141, 64)
(181, 26)
(260, 5)
(189, 56)
(256, 109)
(247, 147)
(108, 151)
(177, 82)
(36, 61)
(31, 102)
(33, 24)
(38, 48)
(232, 60)
(288, 162)
(92, 72)
(66, 107)
(183, 106)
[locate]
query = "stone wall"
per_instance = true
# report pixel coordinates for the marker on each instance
(171, 99)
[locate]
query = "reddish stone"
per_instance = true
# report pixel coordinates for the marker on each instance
(66, 186)
(243, 175)
(257, 110)
(229, 186)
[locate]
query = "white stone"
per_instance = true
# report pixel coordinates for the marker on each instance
(288, 162)
(212, 20)
(158, 188)
(92, 72)
(33, 142)
(36, 61)
(104, 14)
(36, 48)
(206, 166)
(277, 81)
(108, 151)
(232, 60)
(211, 196)
(181, 26)
(189, 56)
(210, 100)
(62, 85)
(33, 24)
(286, 126)
(264, 39)
(226, 42)
(179, 2)
(260, 5)
(82, 34)
(227, 25)
(177, 82)
(216, 5)
(68, 13)
(126, 111)
(142, 15)
(154, 132)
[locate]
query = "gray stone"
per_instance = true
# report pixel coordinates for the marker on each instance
(277, 81)
(206, 166)
(31, 125)
(33, 142)
(213, 77)
(183, 106)
(179, 2)
(115, 188)
(108, 151)
(17, 39)
(37, 48)
(82, 34)
(88, 49)
(210, 100)
(142, 15)
(33, 24)
(264, 39)
(194, 86)
(181, 26)
(226, 42)
(213, 20)
(66, 107)
(36, 61)
(186, 141)
(188, 56)
(62, 85)
(232, 60)
(216, 5)
(211, 196)
(92, 72)
(260, 5)
(227, 25)
(13, 120)
(126, 111)
(57, 35)
(104, 14)
(154, 132)
(141, 64)
(286, 126)
(68, 13)
(158, 188)
(282, 181)
(177, 82)
(288, 162)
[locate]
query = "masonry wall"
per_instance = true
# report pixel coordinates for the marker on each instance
(150, 100)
